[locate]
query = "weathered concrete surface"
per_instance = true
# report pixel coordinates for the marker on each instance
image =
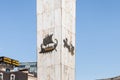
(56, 17)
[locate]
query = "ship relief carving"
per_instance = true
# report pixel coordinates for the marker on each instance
(69, 46)
(48, 44)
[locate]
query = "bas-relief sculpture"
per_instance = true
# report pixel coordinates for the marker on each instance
(48, 45)
(69, 46)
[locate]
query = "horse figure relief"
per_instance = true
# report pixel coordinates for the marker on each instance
(69, 46)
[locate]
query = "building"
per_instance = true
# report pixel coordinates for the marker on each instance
(24, 70)
(113, 78)
(31, 76)
(7, 66)
(17, 75)
(56, 39)
(31, 66)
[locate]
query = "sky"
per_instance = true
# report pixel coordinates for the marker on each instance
(97, 35)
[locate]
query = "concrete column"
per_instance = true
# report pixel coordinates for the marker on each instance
(56, 39)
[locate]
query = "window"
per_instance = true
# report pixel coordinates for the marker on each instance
(1, 76)
(7, 70)
(22, 66)
(32, 65)
(12, 77)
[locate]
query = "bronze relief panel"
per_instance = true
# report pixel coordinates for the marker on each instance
(48, 44)
(69, 46)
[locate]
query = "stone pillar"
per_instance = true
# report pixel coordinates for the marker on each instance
(56, 39)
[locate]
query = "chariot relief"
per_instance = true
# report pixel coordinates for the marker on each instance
(48, 44)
